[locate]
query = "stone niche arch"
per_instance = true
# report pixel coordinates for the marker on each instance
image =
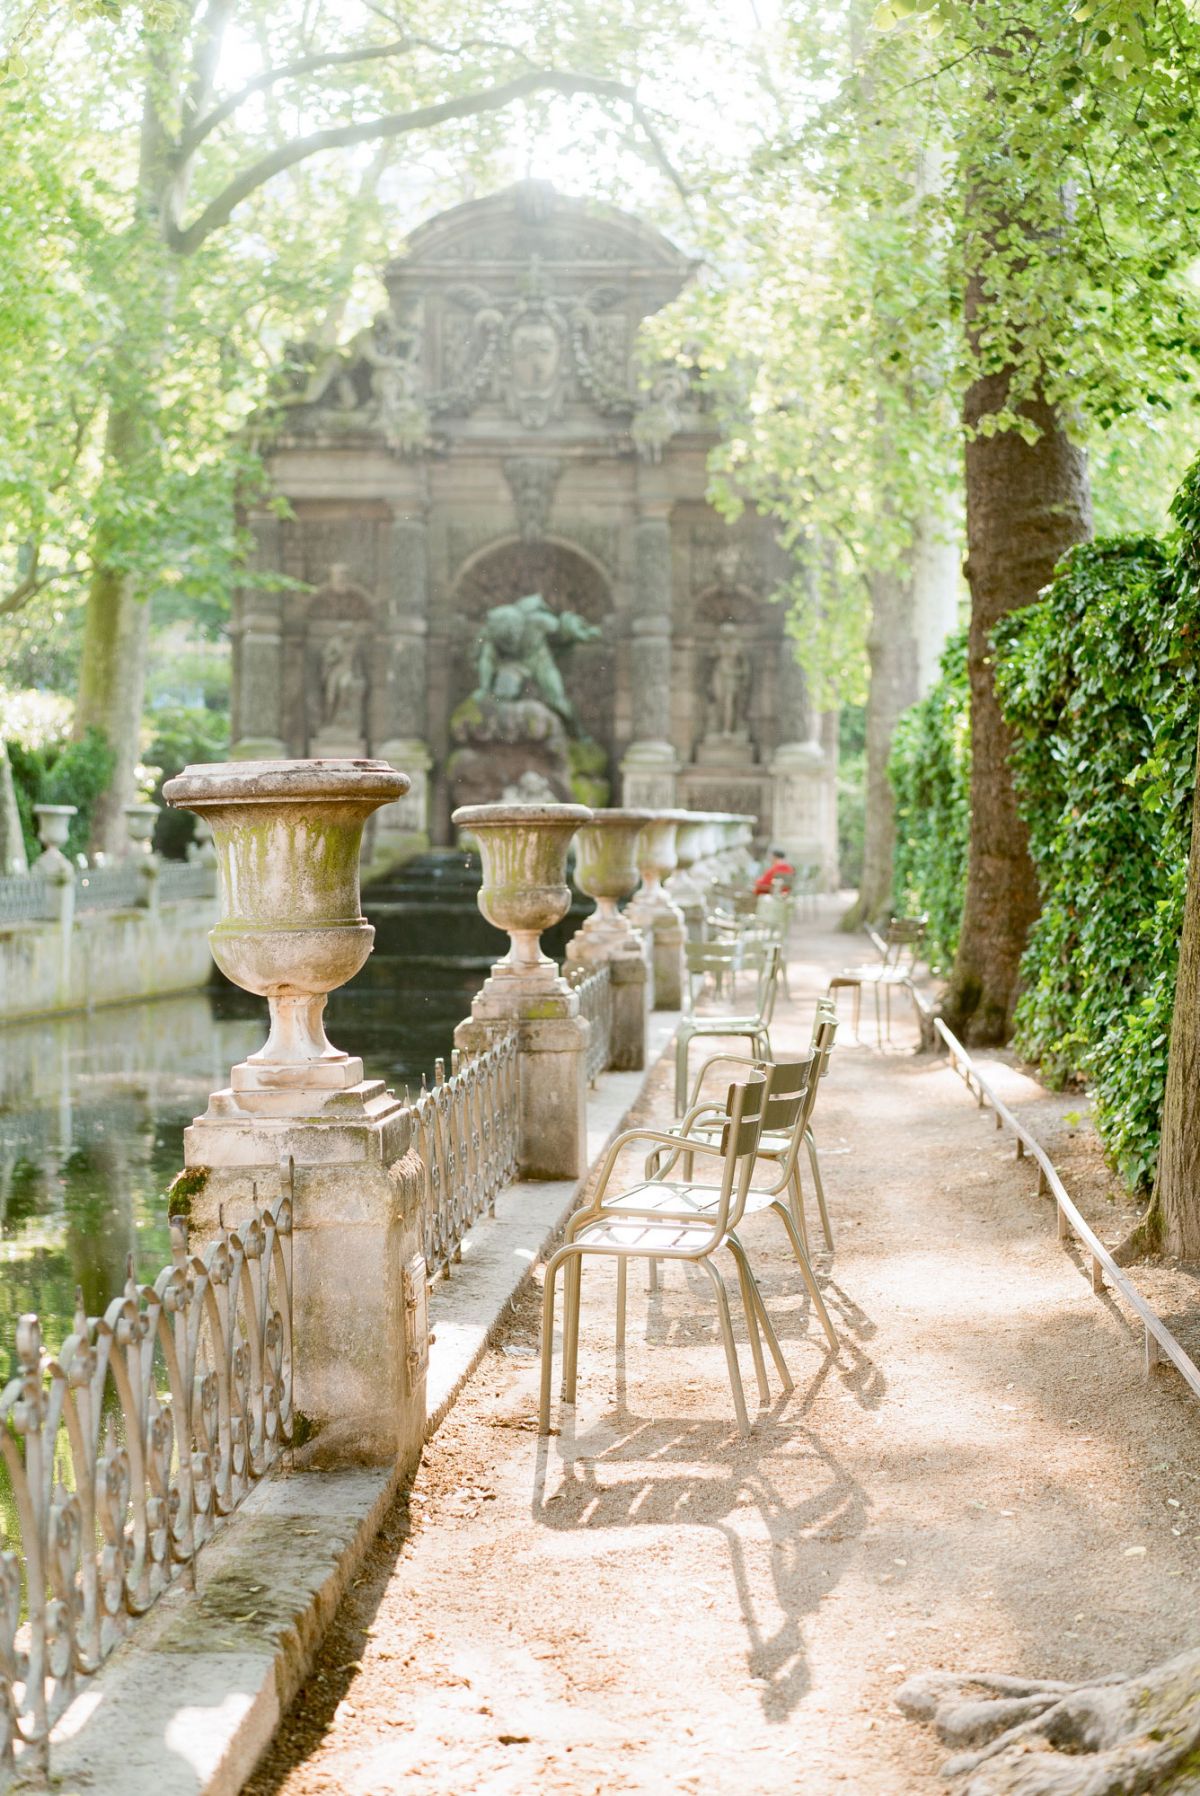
(569, 579)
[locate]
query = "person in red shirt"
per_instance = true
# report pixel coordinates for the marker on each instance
(777, 868)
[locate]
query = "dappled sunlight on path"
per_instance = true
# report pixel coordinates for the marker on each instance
(645, 1602)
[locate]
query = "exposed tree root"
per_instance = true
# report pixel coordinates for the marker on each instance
(1117, 1736)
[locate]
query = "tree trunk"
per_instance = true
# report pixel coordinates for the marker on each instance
(12, 842)
(112, 672)
(892, 656)
(1026, 504)
(1173, 1220)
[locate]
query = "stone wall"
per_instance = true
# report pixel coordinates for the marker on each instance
(106, 957)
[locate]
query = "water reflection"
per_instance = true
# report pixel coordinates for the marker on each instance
(93, 1108)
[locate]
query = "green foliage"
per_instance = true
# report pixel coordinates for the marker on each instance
(182, 734)
(930, 771)
(60, 772)
(1100, 683)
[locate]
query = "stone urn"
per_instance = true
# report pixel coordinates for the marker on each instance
(523, 848)
(287, 837)
(656, 859)
(606, 869)
(655, 912)
(53, 827)
(139, 821)
(683, 886)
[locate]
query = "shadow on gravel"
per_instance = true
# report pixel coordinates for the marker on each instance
(626, 1471)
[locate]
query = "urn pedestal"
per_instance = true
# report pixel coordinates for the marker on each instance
(606, 869)
(523, 848)
(299, 1112)
(655, 912)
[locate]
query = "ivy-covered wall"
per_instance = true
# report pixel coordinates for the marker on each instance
(930, 771)
(1100, 683)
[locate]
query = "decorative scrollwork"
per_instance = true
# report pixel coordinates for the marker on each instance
(465, 1131)
(594, 990)
(122, 1449)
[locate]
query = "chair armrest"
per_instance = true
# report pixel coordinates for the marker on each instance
(719, 1060)
(622, 1141)
(684, 1144)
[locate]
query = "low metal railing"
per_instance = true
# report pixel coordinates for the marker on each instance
(595, 1003)
(125, 1449)
(1158, 1341)
(180, 879)
(466, 1134)
(26, 898)
(119, 887)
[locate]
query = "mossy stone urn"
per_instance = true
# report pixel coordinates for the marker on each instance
(523, 848)
(288, 836)
(606, 869)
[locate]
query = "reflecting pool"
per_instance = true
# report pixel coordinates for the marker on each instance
(93, 1109)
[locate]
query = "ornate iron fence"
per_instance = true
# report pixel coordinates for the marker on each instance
(26, 898)
(125, 1449)
(465, 1131)
(119, 887)
(595, 1003)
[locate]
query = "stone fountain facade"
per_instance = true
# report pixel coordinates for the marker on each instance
(490, 436)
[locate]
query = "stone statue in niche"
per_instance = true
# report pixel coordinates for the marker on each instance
(343, 685)
(728, 684)
(515, 654)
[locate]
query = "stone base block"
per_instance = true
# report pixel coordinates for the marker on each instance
(359, 1316)
(552, 1078)
(630, 1002)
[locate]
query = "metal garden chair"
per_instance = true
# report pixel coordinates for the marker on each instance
(695, 1239)
(791, 1087)
(898, 950)
(717, 959)
(776, 1143)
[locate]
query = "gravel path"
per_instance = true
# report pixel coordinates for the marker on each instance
(647, 1603)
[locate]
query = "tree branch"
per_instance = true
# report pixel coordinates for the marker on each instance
(191, 140)
(186, 240)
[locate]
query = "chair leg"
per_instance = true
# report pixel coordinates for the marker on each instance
(547, 1344)
(731, 1359)
(857, 1012)
(622, 1288)
(748, 1305)
(572, 1300)
(681, 1061)
(816, 1173)
(768, 1327)
(652, 1281)
(808, 1275)
(878, 1022)
(796, 1202)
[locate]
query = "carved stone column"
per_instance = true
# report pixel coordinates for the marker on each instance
(650, 763)
(258, 700)
(400, 705)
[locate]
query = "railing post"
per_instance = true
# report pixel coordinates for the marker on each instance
(605, 868)
(524, 890)
(288, 835)
(53, 823)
